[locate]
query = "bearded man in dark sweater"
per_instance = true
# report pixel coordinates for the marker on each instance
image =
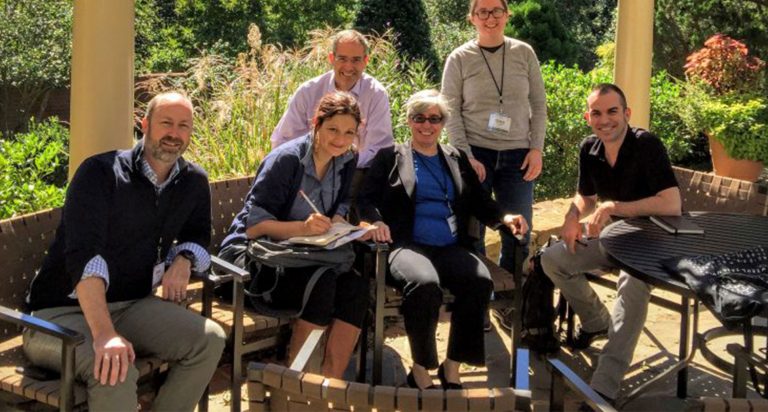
(132, 220)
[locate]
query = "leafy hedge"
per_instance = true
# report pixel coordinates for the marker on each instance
(33, 168)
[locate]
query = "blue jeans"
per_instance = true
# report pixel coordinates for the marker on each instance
(504, 179)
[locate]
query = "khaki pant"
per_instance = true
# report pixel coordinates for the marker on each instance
(629, 310)
(191, 344)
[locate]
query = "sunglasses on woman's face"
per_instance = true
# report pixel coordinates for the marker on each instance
(420, 118)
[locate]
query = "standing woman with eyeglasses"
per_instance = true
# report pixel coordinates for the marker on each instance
(494, 88)
(420, 195)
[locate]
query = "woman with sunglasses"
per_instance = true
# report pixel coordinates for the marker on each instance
(495, 92)
(420, 195)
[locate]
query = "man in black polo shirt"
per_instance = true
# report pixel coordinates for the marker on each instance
(628, 170)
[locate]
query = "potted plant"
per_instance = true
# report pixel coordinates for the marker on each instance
(725, 99)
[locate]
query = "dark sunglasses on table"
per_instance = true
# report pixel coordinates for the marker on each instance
(420, 118)
(483, 14)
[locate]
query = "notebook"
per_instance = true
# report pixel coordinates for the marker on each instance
(337, 231)
(677, 225)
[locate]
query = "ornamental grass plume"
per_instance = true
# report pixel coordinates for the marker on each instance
(240, 101)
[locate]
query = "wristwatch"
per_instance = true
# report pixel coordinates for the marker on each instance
(186, 254)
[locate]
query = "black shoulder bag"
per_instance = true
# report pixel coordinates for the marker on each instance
(264, 252)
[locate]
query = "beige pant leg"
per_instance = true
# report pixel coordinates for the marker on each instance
(191, 344)
(45, 351)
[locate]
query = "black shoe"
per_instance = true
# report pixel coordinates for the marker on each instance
(504, 317)
(444, 382)
(487, 325)
(583, 339)
(412, 382)
(542, 340)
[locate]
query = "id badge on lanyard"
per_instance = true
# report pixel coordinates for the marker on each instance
(452, 223)
(499, 123)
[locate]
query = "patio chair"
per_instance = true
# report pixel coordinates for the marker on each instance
(24, 241)
(387, 301)
(247, 331)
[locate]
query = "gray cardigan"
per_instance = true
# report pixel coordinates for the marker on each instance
(472, 96)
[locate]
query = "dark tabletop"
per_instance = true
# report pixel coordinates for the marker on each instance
(638, 246)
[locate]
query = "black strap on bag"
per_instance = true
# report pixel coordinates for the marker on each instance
(538, 313)
(265, 253)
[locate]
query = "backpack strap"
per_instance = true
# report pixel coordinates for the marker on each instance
(311, 285)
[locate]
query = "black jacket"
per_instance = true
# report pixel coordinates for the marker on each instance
(389, 186)
(111, 210)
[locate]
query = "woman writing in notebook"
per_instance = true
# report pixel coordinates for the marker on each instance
(420, 195)
(300, 189)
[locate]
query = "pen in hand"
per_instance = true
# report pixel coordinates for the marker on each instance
(309, 201)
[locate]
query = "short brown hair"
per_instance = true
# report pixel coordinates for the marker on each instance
(349, 35)
(473, 5)
(605, 88)
(336, 103)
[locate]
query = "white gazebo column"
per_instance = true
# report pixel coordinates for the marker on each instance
(634, 51)
(102, 78)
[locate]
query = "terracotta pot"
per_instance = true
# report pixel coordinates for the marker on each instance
(727, 166)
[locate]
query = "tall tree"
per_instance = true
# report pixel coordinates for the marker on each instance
(538, 23)
(408, 20)
(591, 23)
(35, 54)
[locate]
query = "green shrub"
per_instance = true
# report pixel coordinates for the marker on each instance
(567, 89)
(170, 32)
(448, 11)
(33, 168)
(666, 122)
(739, 122)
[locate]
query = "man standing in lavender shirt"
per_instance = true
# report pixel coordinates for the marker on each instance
(349, 58)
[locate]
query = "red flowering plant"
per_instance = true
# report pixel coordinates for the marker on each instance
(725, 97)
(726, 66)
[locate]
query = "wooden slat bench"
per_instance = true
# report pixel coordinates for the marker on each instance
(273, 387)
(247, 331)
(24, 241)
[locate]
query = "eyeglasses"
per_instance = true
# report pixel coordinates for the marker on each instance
(420, 118)
(497, 12)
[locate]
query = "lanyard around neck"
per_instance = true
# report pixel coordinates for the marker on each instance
(443, 183)
(499, 89)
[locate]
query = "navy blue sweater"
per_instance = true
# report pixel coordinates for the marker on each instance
(112, 210)
(275, 195)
